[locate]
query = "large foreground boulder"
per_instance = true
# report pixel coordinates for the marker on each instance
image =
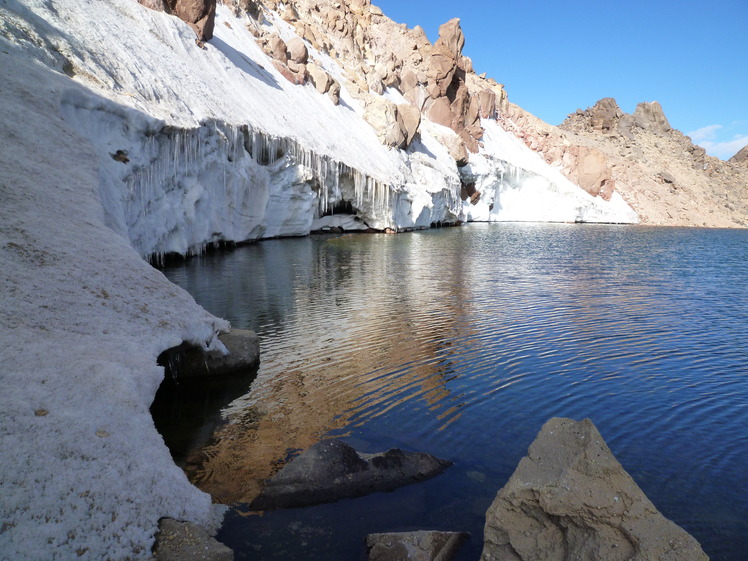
(332, 470)
(569, 498)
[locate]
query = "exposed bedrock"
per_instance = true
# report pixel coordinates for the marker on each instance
(332, 470)
(569, 498)
(200, 15)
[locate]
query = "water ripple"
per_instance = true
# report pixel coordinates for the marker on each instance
(464, 342)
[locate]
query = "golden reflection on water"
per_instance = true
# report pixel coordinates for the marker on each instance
(326, 371)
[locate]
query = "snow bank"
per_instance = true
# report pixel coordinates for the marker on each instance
(83, 472)
(516, 185)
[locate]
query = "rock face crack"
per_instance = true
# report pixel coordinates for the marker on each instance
(570, 500)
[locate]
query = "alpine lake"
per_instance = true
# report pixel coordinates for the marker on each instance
(462, 342)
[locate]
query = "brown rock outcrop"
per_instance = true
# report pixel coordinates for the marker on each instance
(450, 102)
(741, 157)
(395, 125)
(409, 119)
(198, 14)
(636, 149)
(590, 169)
(650, 117)
(569, 498)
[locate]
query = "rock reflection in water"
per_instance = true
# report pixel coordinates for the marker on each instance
(328, 369)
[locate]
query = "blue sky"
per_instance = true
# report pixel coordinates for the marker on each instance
(556, 57)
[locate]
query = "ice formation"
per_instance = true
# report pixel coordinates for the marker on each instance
(122, 139)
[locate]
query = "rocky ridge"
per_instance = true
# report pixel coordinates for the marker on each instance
(657, 169)
(401, 78)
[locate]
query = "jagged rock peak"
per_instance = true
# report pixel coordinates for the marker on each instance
(605, 114)
(451, 37)
(650, 116)
(741, 157)
(601, 117)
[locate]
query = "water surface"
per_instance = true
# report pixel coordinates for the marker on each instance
(462, 342)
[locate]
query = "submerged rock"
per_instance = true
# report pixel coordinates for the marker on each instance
(332, 470)
(185, 541)
(414, 546)
(569, 498)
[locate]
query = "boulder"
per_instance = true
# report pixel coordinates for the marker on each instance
(297, 77)
(651, 117)
(334, 92)
(297, 51)
(198, 14)
(592, 170)
(408, 118)
(185, 541)
(276, 48)
(440, 112)
(158, 5)
(487, 101)
(414, 546)
(569, 498)
(451, 38)
(604, 115)
(186, 361)
(382, 115)
(319, 78)
(331, 470)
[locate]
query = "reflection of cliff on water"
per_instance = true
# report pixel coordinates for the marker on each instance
(333, 314)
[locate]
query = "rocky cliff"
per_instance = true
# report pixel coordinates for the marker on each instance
(401, 78)
(658, 170)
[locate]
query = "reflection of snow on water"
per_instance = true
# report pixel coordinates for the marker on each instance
(466, 362)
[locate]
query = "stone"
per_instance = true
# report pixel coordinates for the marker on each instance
(741, 157)
(158, 5)
(604, 115)
(651, 117)
(331, 470)
(451, 37)
(198, 14)
(414, 546)
(382, 115)
(319, 78)
(297, 51)
(334, 92)
(569, 498)
(409, 119)
(487, 100)
(440, 112)
(186, 361)
(295, 77)
(592, 171)
(185, 541)
(276, 48)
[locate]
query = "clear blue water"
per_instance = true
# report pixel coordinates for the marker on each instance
(462, 342)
